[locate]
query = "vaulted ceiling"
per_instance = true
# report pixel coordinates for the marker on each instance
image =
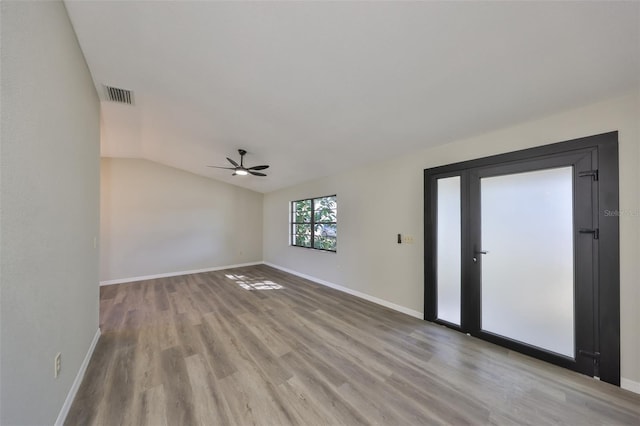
(313, 88)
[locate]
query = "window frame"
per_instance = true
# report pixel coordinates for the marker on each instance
(312, 223)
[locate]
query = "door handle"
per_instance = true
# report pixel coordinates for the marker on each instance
(477, 252)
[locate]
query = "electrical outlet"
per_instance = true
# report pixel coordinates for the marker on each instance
(57, 361)
(95, 242)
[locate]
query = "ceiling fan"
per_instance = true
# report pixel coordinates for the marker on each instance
(240, 169)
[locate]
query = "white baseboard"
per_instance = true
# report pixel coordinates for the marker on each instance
(175, 274)
(62, 416)
(630, 385)
(352, 292)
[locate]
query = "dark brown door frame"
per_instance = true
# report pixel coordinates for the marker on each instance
(606, 271)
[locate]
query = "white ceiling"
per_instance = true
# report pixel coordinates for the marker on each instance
(312, 88)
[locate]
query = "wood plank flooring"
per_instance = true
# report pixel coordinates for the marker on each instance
(258, 346)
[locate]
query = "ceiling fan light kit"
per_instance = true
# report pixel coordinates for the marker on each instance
(240, 169)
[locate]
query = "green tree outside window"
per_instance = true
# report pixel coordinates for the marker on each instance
(314, 223)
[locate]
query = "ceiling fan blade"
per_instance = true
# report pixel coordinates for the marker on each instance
(233, 162)
(218, 167)
(258, 168)
(256, 173)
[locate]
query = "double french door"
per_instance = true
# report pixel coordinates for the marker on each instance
(513, 252)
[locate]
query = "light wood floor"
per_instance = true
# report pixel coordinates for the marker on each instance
(258, 346)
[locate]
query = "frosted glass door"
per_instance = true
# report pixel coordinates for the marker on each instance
(448, 249)
(527, 278)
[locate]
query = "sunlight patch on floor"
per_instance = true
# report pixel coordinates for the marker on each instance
(254, 284)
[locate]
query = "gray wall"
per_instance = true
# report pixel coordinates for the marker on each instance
(159, 220)
(378, 201)
(49, 216)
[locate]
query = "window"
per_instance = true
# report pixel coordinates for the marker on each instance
(314, 223)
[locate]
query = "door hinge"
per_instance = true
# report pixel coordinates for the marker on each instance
(592, 173)
(596, 360)
(594, 355)
(595, 232)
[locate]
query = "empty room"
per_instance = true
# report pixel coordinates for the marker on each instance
(319, 212)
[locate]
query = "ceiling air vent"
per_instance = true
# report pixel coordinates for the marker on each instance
(122, 96)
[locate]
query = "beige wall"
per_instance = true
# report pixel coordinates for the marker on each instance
(381, 200)
(160, 220)
(49, 192)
